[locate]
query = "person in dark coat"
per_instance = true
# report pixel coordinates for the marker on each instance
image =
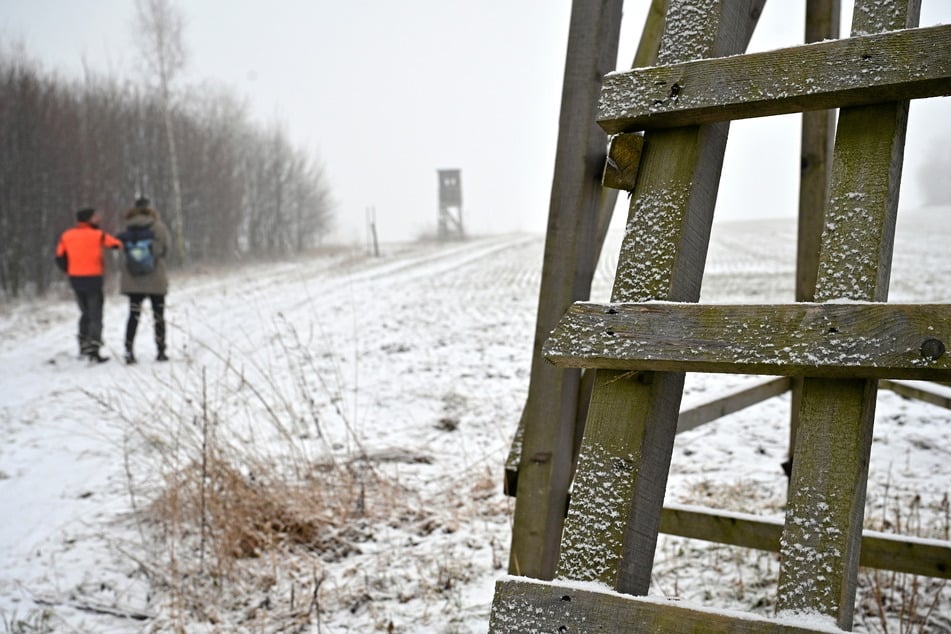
(143, 219)
(79, 255)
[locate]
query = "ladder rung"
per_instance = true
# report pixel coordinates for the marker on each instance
(830, 340)
(912, 555)
(528, 605)
(893, 66)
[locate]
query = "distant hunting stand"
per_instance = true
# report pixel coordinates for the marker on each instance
(450, 205)
(611, 430)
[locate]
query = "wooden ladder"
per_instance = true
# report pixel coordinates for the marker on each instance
(653, 331)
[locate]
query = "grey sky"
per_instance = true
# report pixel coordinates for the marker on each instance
(385, 93)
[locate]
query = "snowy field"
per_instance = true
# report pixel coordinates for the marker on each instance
(412, 367)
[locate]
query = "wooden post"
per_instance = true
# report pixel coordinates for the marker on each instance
(545, 463)
(821, 540)
(373, 244)
(818, 133)
(646, 55)
(556, 304)
(612, 525)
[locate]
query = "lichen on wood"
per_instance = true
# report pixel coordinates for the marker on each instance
(907, 64)
(845, 340)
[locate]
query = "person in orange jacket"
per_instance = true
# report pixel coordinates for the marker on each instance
(79, 255)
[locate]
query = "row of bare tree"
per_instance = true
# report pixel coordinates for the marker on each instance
(227, 187)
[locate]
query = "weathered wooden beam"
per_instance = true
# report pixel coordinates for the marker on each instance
(524, 605)
(898, 553)
(722, 527)
(571, 251)
(624, 157)
(611, 529)
(687, 420)
(646, 55)
(815, 174)
(857, 71)
(917, 392)
(825, 510)
(815, 159)
(510, 480)
(734, 402)
(911, 555)
(653, 31)
(730, 403)
(821, 340)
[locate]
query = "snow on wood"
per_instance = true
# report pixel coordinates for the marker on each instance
(610, 532)
(856, 71)
(803, 339)
(821, 542)
(525, 605)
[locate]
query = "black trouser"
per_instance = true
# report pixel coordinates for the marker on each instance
(89, 296)
(158, 316)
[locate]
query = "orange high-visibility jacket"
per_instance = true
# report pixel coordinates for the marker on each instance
(82, 245)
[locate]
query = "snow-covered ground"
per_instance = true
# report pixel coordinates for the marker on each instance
(416, 366)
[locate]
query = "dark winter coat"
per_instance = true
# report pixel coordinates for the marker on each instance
(156, 282)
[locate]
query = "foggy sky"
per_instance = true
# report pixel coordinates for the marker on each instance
(386, 93)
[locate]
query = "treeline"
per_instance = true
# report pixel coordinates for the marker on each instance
(245, 191)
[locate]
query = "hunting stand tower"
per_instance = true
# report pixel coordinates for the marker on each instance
(450, 205)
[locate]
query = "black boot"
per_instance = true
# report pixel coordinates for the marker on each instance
(131, 325)
(161, 356)
(86, 348)
(95, 357)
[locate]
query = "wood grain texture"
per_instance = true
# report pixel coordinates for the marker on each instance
(821, 543)
(572, 247)
(624, 157)
(910, 555)
(530, 606)
(856, 71)
(846, 340)
(611, 529)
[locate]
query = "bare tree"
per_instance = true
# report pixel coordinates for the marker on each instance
(162, 26)
(37, 116)
(243, 190)
(212, 184)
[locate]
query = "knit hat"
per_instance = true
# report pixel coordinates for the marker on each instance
(142, 203)
(85, 215)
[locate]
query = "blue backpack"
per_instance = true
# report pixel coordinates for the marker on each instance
(138, 246)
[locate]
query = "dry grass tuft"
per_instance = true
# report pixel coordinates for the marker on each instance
(244, 510)
(227, 531)
(890, 601)
(242, 513)
(261, 509)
